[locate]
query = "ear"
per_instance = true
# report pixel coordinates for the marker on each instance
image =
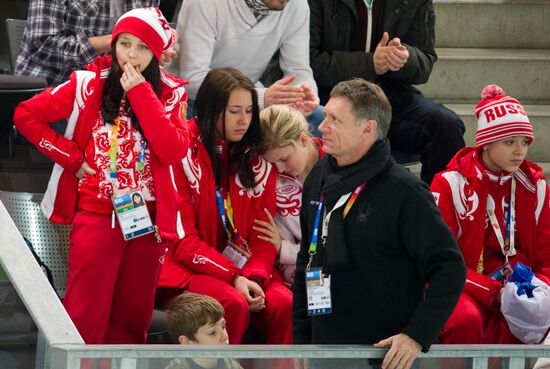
(303, 138)
(370, 126)
(183, 340)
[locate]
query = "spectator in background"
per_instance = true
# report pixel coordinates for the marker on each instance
(391, 43)
(381, 266)
(124, 116)
(245, 34)
(62, 36)
(287, 143)
(224, 186)
(496, 204)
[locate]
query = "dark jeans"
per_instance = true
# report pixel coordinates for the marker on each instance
(421, 126)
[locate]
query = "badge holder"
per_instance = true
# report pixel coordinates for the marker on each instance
(132, 214)
(237, 250)
(502, 273)
(318, 293)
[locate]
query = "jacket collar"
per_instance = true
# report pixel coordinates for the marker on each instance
(337, 181)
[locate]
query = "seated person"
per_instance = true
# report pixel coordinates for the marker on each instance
(224, 186)
(194, 319)
(287, 143)
(390, 43)
(245, 35)
(62, 36)
(496, 204)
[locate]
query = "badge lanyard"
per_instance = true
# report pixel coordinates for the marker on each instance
(226, 212)
(113, 147)
(113, 150)
(507, 243)
(348, 199)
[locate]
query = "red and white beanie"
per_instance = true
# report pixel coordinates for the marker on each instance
(149, 25)
(500, 116)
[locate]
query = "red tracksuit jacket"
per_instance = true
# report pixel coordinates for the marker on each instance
(461, 194)
(79, 101)
(199, 252)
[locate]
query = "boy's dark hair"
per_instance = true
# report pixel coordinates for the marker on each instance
(190, 311)
(113, 91)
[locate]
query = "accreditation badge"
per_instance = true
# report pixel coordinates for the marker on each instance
(237, 250)
(132, 214)
(318, 292)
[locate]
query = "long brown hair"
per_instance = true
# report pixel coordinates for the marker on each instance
(210, 104)
(113, 91)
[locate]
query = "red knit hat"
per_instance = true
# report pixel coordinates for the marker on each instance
(500, 116)
(150, 26)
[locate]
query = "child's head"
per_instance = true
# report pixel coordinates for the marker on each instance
(504, 132)
(284, 139)
(149, 26)
(196, 319)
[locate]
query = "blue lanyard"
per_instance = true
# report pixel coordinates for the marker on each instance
(315, 234)
(221, 209)
(141, 158)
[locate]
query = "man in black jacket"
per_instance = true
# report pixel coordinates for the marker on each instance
(381, 266)
(389, 42)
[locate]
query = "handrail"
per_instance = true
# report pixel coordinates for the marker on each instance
(69, 356)
(32, 286)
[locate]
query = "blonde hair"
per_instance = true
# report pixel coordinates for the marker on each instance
(280, 125)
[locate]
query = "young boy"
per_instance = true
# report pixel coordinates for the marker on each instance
(194, 319)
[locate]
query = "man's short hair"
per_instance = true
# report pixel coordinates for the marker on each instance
(368, 102)
(190, 311)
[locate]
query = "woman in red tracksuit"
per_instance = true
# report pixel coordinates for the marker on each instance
(496, 203)
(225, 186)
(124, 130)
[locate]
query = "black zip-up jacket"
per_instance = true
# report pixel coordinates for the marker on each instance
(333, 27)
(395, 267)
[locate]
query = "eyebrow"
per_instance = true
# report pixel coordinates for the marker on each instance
(239, 106)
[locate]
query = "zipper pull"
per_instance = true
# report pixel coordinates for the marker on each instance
(157, 235)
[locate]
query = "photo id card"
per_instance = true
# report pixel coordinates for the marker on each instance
(318, 293)
(132, 214)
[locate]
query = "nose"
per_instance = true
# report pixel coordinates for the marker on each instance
(131, 52)
(280, 167)
(225, 336)
(323, 126)
(520, 148)
(243, 117)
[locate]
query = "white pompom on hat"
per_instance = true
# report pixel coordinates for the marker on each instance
(149, 25)
(500, 116)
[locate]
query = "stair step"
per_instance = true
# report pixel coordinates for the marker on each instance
(539, 116)
(493, 23)
(461, 73)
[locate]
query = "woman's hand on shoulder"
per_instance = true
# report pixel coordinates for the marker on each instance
(131, 77)
(269, 230)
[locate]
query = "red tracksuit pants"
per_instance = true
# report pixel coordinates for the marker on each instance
(111, 283)
(473, 323)
(274, 322)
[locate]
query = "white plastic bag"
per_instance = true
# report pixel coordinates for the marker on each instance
(528, 317)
